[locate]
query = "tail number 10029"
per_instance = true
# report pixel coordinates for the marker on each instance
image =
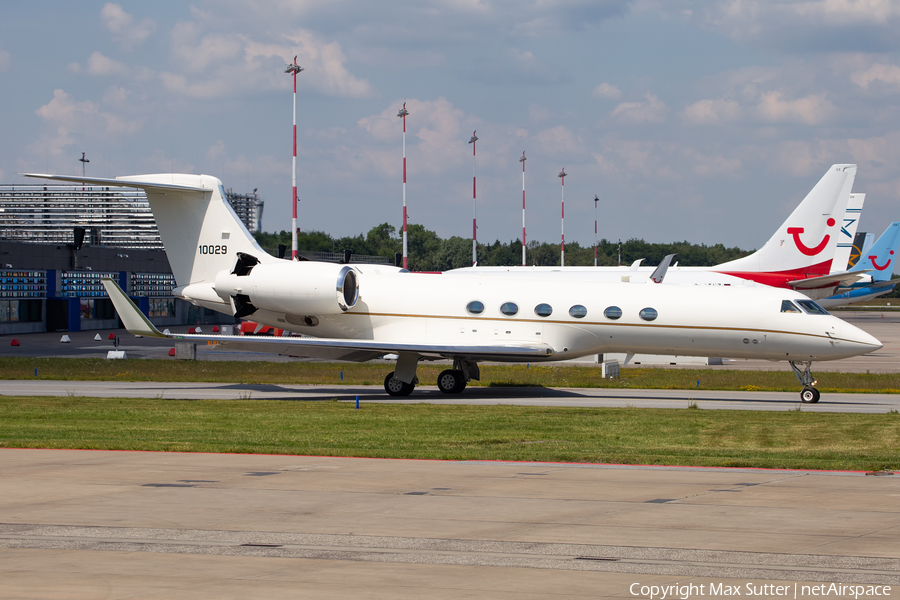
(211, 249)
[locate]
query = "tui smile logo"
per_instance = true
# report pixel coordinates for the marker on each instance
(880, 267)
(807, 250)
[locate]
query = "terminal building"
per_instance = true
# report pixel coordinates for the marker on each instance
(58, 241)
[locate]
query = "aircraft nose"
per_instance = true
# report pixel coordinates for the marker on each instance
(860, 341)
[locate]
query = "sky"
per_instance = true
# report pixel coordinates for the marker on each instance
(705, 121)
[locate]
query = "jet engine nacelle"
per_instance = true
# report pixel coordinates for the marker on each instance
(294, 288)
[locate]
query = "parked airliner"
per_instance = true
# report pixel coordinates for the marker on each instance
(361, 312)
(800, 255)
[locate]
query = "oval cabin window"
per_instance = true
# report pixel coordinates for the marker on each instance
(649, 314)
(578, 311)
(543, 310)
(509, 308)
(612, 313)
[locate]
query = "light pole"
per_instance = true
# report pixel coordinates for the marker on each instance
(596, 239)
(562, 244)
(403, 112)
(83, 161)
(474, 224)
(522, 160)
(293, 69)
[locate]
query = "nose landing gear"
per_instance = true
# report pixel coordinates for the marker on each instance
(809, 394)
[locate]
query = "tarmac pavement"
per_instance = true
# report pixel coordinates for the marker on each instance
(99, 524)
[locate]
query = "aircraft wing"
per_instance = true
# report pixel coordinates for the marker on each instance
(328, 348)
(846, 279)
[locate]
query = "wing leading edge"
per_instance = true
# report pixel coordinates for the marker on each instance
(335, 349)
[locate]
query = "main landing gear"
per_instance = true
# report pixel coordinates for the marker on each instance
(450, 381)
(395, 387)
(809, 394)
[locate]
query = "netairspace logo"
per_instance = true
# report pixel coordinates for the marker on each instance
(768, 590)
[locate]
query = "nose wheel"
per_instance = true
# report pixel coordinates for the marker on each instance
(809, 394)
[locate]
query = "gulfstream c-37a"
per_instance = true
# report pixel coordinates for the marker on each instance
(362, 312)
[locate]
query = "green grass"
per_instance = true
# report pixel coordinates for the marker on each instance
(786, 439)
(316, 373)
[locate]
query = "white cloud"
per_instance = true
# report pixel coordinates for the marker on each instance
(198, 52)
(887, 74)
(607, 90)
(846, 11)
(712, 112)
(70, 120)
(436, 128)
(559, 140)
(126, 33)
(224, 65)
(653, 110)
(100, 65)
(810, 110)
(116, 95)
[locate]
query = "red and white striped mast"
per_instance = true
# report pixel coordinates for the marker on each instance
(403, 112)
(562, 245)
(474, 223)
(596, 239)
(293, 70)
(522, 160)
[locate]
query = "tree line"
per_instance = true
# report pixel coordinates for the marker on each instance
(428, 252)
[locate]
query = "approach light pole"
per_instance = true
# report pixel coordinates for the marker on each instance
(522, 160)
(293, 69)
(83, 161)
(474, 223)
(403, 112)
(562, 244)
(596, 239)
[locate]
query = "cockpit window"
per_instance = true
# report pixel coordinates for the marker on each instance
(811, 307)
(789, 307)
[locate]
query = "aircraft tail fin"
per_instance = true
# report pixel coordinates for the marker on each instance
(806, 241)
(847, 234)
(879, 260)
(199, 229)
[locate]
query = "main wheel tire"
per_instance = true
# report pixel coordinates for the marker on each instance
(446, 381)
(809, 395)
(395, 387)
(451, 382)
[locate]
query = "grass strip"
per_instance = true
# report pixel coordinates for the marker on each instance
(791, 439)
(318, 373)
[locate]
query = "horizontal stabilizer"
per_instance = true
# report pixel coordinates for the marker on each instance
(132, 181)
(844, 279)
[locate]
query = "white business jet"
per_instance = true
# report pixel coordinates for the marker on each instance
(362, 312)
(807, 253)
